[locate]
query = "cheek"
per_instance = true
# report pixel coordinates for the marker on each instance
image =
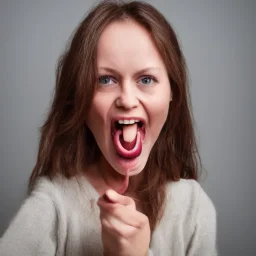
(159, 109)
(98, 113)
(160, 105)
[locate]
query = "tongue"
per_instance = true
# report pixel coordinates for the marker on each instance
(128, 141)
(129, 132)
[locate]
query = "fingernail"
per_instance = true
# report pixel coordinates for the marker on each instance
(111, 193)
(107, 197)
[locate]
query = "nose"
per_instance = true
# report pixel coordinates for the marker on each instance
(128, 96)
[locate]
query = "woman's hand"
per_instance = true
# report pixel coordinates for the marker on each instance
(125, 231)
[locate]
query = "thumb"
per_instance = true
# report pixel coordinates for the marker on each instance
(113, 197)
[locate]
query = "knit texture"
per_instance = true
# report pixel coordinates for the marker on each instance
(61, 217)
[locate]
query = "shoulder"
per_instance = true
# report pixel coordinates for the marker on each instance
(190, 215)
(194, 214)
(50, 187)
(63, 191)
(53, 208)
(187, 197)
(188, 191)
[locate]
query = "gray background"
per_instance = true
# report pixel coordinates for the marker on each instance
(218, 39)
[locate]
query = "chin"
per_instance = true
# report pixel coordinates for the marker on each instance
(129, 167)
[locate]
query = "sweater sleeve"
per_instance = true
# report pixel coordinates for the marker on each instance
(32, 230)
(203, 242)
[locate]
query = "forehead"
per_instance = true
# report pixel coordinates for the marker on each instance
(127, 43)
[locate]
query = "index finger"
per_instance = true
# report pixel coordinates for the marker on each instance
(114, 197)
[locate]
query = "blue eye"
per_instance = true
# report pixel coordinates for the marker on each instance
(147, 80)
(105, 80)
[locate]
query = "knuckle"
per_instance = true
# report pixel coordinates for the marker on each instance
(132, 202)
(131, 233)
(144, 220)
(105, 223)
(126, 233)
(122, 241)
(101, 215)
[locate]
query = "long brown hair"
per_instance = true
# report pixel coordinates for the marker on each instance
(67, 146)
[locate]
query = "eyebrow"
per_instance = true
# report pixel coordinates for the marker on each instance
(140, 72)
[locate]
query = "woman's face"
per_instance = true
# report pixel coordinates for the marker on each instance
(134, 88)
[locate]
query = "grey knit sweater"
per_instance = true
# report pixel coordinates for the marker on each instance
(61, 217)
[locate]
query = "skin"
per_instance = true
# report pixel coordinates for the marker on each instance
(125, 49)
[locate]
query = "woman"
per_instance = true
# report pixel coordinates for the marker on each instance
(118, 163)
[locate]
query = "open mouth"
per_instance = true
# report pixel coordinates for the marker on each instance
(128, 136)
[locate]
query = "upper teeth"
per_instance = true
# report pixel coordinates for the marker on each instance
(127, 121)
